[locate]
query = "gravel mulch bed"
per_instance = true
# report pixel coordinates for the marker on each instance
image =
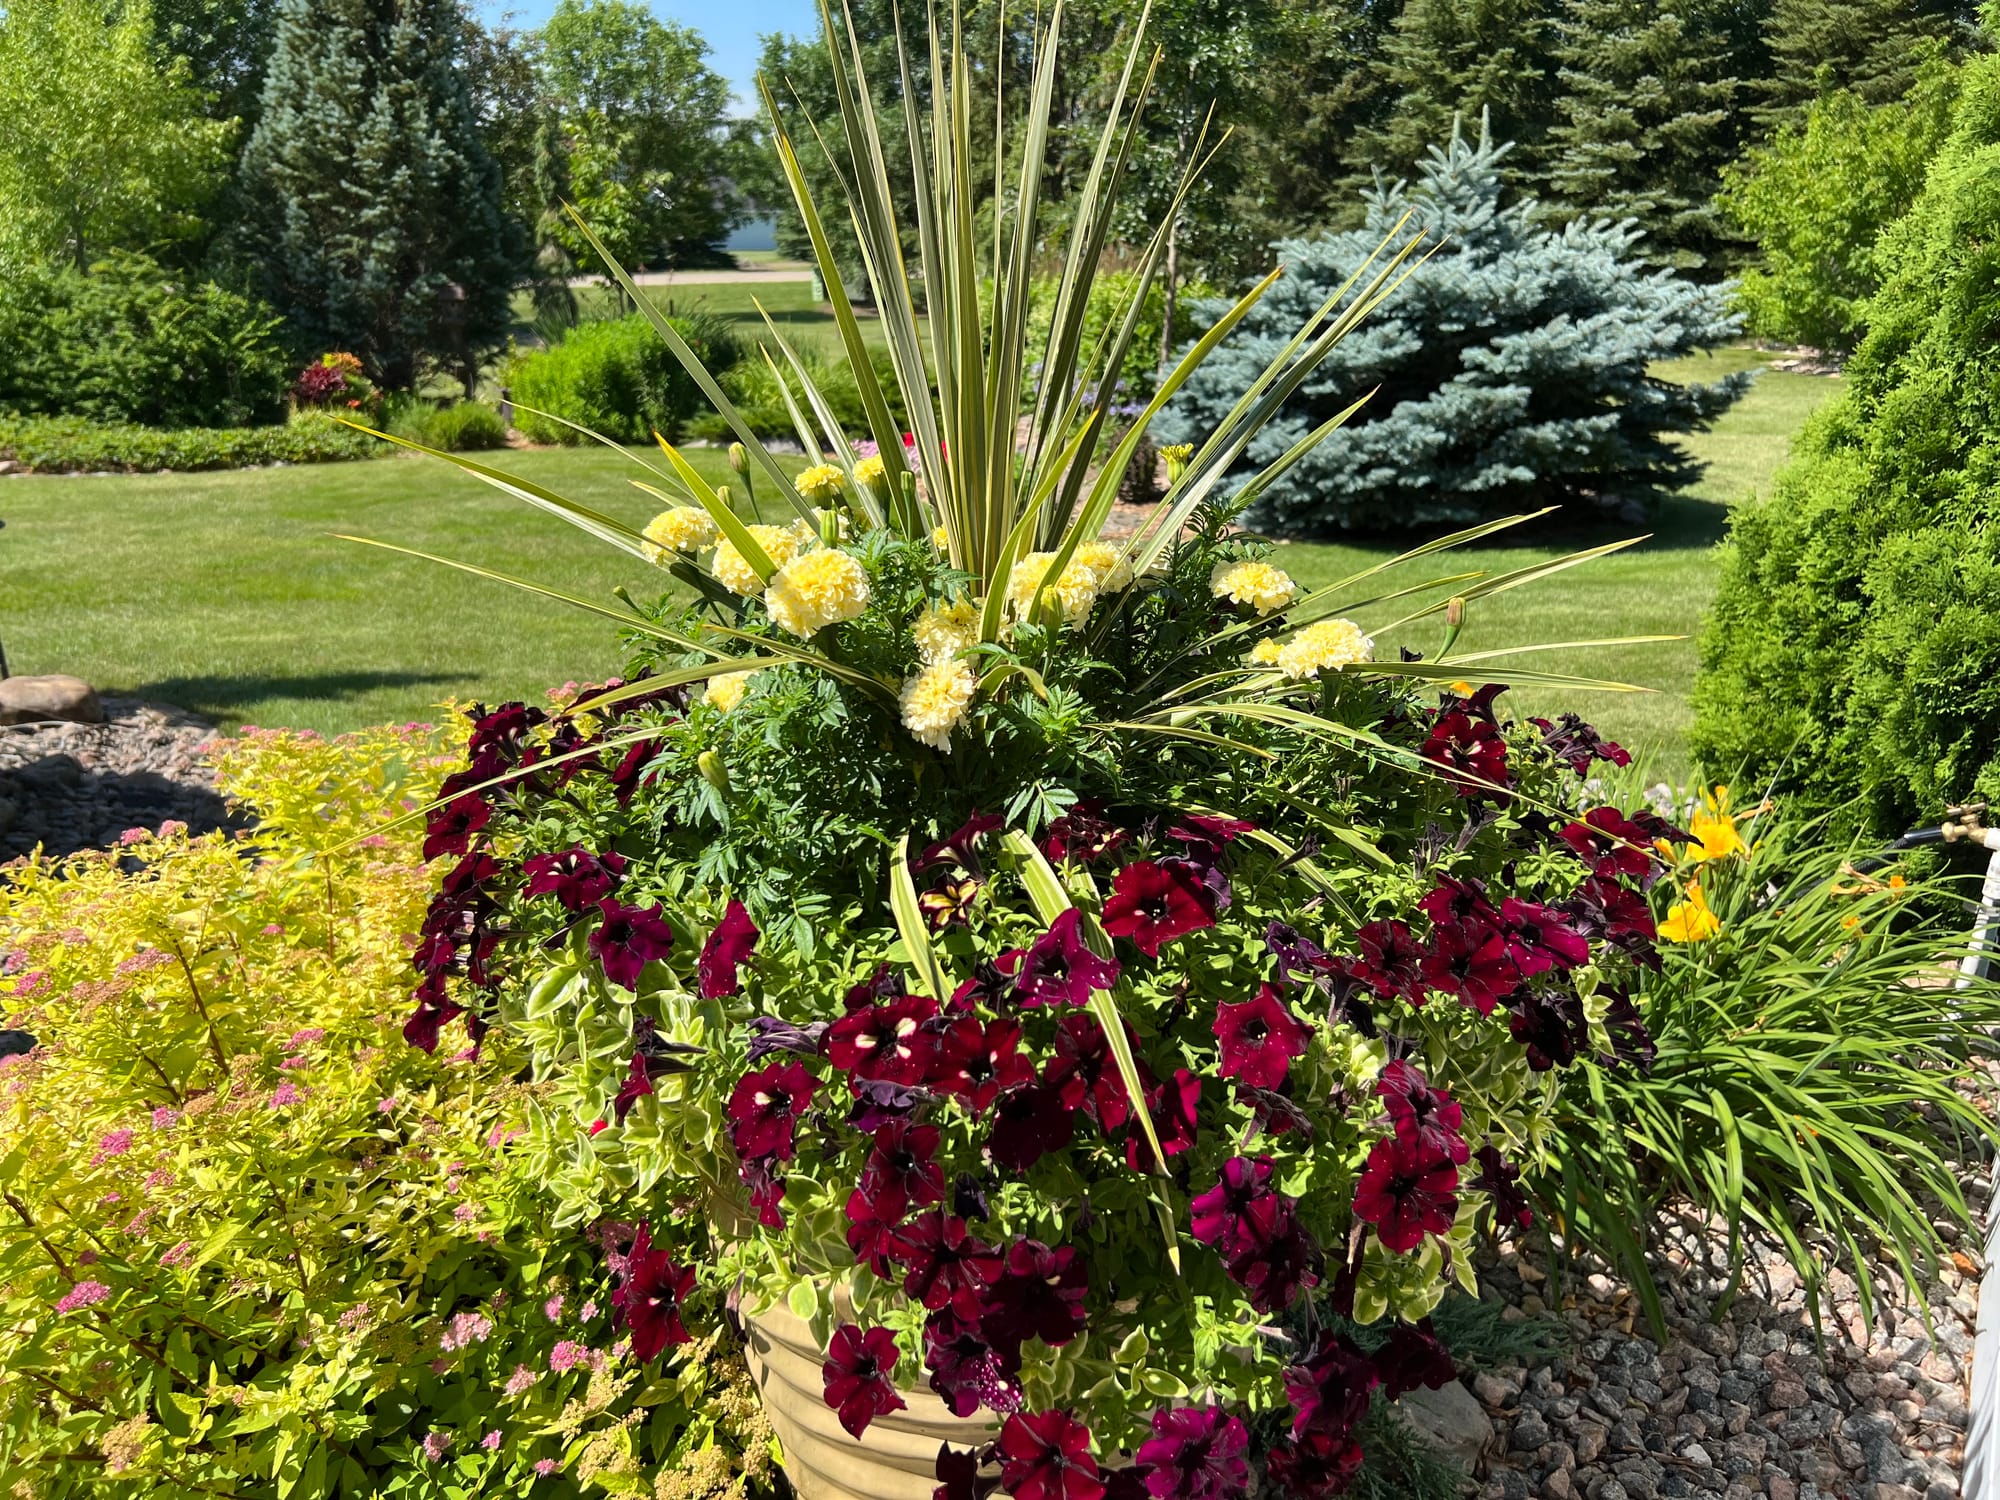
(67, 787)
(1751, 1405)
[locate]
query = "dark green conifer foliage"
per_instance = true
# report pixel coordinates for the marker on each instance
(1872, 48)
(374, 220)
(1460, 59)
(1853, 655)
(1652, 102)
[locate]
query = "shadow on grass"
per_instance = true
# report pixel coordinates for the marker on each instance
(220, 697)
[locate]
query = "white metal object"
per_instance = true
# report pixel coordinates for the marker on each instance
(1980, 1479)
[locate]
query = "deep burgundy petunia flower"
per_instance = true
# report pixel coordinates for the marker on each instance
(1577, 745)
(976, 1061)
(1083, 834)
(1471, 751)
(858, 1386)
(884, 984)
(1172, 1106)
(503, 731)
(764, 1110)
(1273, 1275)
(729, 946)
(1538, 939)
(877, 1103)
(1621, 917)
(768, 1034)
(1259, 1038)
(1457, 903)
(1501, 1178)
(946, 1267)
(767, 1191)
(1317, 1466)
(450, 829)
(650, 1292)
(1207, 840)
(1046, 1456)
(966, 1370)
(1631, 1043)
(435, 1010)
(630, 772)
(1274, 1113)
(903, 1167)
(1427, 1116)
(1549, 1021)
(1299, 958)
(628, 938)
(1059, 968)
(1240, 1211)
(637, 1085)
(466, 879)
(893, 1042)
(872, 1222)
(1391, 960)
(1029, 1121)
(1413, 1358)
(1039, 1294)
(577, 878)
(1153, 903)
(1471, 963)
(1610, 844)
(960, 848)
(989, 986)
(1083, 1069)
(1195, 1453)
(1330, 1388)
(1407, 1190)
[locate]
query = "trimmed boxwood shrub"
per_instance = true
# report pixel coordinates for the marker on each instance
(132, 342)
(1853, 655)
(69, 445)
(618, 377)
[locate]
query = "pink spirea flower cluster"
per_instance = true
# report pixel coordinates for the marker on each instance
(83, 1294)
(117, 1143)
(466, 1329)
(567, 1355)
(520, 1380)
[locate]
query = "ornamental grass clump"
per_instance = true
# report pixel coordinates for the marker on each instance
(1050, 963)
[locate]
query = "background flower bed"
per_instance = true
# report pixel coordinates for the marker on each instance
(251, 1241)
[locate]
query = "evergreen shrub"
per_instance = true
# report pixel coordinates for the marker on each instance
(461, 427)
(70, 445)
(133, 342)
(1853, 654)
(616, 376)
(1511, 369)
(251, 1244)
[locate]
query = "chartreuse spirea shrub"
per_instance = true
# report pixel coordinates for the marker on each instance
(1851, 656)
(1513, 366)
(1807, 1075)
(250, 1243)
(614, 376)
(1053, 964)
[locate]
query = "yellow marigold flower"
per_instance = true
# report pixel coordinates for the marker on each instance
(727, 690)
(779, 544)
(1329, 643)
(1257, 584)
(944, 632)
(871, 471)
(1176, 456)
(1265, 653)
(935, 702)
(1691, 920)
(1076, 588)
(682, 529)
(821, 484)
(818, 589)
(941, 539)
(1114, 572)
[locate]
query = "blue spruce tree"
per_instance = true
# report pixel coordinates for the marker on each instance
(1510, 369)
(373, 218)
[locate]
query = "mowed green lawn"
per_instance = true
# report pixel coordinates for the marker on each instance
(228, 594)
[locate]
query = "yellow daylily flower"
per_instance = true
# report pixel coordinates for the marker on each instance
(1690, 921)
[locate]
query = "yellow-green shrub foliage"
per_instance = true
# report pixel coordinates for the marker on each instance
(250, 1242)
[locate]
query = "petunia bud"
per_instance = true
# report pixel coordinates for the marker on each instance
(713, 771)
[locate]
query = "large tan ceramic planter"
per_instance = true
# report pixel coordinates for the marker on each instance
(895, 1459)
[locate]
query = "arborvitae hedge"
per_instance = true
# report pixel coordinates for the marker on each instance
(1854, 652)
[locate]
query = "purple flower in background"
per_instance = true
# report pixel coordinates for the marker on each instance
(1195, 1453)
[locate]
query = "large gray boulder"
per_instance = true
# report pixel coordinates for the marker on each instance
(30, 700)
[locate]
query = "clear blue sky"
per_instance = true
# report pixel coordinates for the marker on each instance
(732, 28)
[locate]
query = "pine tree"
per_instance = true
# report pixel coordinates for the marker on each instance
(1450, 60)
(1651, 117)
(1511, 369)
(1872, 48)
(375, 222)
